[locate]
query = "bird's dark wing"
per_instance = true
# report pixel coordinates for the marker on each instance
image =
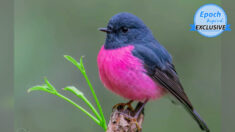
(169, 80)
(159, 67)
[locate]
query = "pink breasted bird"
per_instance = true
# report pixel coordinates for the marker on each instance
(134, 65)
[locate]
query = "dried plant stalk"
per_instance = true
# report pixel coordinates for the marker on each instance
(122, 120)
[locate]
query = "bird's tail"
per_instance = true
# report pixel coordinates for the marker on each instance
(198, 119)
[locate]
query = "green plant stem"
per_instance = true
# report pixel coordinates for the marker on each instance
(80, 95)
(79, 107)
(91, 107)
(96, 100)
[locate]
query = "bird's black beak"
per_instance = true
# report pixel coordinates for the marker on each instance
(104, 30)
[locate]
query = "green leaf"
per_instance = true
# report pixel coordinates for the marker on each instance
(42, 88)
(49, 84)
(45, 87)
(74, 91)
(50, 89)
(72, 60)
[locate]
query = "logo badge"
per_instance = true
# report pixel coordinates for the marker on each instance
(210, 20)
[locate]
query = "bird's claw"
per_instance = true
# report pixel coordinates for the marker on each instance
(121, 106)
(134, 121)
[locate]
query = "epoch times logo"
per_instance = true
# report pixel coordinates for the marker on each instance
(210, 20)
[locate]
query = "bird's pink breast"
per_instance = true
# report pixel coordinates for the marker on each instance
(124, 74)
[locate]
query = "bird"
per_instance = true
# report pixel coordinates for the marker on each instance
(135, 66)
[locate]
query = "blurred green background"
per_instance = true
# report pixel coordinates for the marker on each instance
(46, 30)
(6, 66)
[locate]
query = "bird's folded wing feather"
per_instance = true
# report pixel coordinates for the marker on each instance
(169, 80)
(158, 65)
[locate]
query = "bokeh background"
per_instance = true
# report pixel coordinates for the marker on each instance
(46, 30)
(6, 66)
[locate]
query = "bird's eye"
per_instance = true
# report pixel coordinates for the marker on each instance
(124, 29)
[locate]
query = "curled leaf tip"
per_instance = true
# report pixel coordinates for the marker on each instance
(29, 90)
(73, 90)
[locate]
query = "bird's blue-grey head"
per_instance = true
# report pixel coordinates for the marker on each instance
(126, 29)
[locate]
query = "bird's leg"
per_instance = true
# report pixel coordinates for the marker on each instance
(137, 114)
(139, 108)
(122, 105)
